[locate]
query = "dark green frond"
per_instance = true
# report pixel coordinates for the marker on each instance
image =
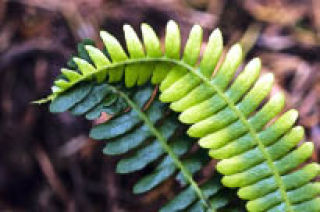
(150, 137)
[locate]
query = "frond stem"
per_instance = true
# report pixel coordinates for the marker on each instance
(167, 148)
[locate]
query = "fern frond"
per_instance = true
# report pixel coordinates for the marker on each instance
(258, 151)
(150, 136)
(226, 118)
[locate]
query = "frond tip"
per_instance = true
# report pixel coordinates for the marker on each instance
(44, 100)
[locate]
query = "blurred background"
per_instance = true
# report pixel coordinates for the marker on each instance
(48, 163)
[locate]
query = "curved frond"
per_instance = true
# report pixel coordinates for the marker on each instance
(232, 116)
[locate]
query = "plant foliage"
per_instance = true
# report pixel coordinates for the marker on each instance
(151, 136)
(257, 145)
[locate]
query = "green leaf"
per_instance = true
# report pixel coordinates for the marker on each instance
(147, 154)
(127, 142)
(68, 99)
(165, 169)
(96, 95)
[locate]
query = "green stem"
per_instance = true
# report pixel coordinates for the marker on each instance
(167, 148)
